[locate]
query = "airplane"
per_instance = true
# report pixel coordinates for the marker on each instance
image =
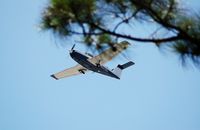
(87, 62)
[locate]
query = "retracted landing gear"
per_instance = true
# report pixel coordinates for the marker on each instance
(82, 71)
(98, 64)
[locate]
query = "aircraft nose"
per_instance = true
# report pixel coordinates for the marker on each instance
(72, 53)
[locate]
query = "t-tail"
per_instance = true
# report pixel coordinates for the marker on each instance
(118, 70)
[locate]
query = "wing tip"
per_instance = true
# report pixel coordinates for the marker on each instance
(53, 76)
(131, 62)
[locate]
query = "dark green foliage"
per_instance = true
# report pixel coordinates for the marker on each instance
(105, 39)
(60, 15)
(97, 22)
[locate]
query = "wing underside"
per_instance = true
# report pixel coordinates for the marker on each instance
(78, 69)
(109, 54)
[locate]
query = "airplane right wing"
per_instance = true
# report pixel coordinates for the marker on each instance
(109, 54)
(78, 69)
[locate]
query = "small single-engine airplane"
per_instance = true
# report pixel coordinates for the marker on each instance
(95, 63)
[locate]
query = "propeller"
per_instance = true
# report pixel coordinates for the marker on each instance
(72, 48)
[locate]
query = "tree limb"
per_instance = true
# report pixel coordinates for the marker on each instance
(157, 41)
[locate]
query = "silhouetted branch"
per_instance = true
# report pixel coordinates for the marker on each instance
(126, 20)
(157, 41)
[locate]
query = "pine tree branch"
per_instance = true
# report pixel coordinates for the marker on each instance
(157, 41)
(126, 20)
(182, 33)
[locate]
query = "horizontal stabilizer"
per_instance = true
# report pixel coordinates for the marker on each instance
(118, 70)
(126, 65)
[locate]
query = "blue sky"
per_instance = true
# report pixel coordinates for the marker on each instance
(156, 94)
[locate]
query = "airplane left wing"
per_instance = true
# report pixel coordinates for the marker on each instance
(78, 69)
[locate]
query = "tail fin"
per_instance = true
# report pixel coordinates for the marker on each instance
(118, 70)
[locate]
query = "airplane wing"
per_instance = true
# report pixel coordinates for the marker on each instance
(109, 54)
(78, 69)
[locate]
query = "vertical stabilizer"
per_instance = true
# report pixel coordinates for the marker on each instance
(118, 70)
